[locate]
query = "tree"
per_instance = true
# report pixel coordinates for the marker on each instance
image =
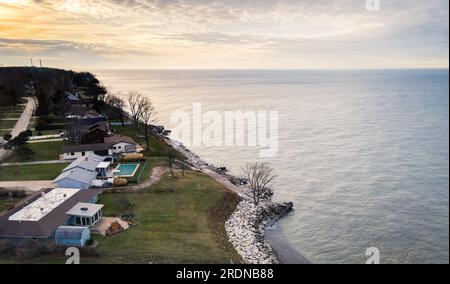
(135, 105)
(20, 139)
(146, 117)
(7, 137)
(118, 105)
(260, 177)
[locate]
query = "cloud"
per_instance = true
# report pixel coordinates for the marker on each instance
(229, 29)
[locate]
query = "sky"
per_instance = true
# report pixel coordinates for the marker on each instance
(225, 34)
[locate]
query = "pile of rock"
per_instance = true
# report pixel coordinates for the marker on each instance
(245, 230)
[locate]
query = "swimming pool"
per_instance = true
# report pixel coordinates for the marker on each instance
(126, 170)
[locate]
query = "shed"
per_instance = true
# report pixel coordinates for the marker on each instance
(72, 236)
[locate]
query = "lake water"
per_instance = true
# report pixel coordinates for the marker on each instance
(364, 155)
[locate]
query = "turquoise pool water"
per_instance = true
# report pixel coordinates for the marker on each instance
(126, 169)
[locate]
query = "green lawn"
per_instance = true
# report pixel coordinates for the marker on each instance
(178, 220)
(31, 172)
(7, 200)
(11, 114)
(42, 152)
(7, 124)
(157, 147)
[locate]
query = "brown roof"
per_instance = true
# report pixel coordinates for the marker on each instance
(114, 139)
(86, 147)
(102, 125)
(45, 227)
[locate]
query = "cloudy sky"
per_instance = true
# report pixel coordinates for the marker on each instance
(225, 34)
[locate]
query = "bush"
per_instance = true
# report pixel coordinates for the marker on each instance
(28, 249)
(120, 181)
(6, 247)
(133, 158)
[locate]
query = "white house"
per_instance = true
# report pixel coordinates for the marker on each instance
(114, 145)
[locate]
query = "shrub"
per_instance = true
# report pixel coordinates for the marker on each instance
(6, 247)
(120, 182)
(133, 157)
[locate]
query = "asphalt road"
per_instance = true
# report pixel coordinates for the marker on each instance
(22, 123)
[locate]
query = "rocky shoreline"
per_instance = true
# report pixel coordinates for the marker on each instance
(247, 225)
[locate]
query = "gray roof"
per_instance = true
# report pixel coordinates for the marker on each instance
(89, 162)
(46, 226)
(85, 209)
(69, 232)
(77, 174)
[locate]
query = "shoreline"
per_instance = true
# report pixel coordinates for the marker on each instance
(272, 241)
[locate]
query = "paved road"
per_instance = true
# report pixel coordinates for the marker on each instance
(36, 163)
(21, 125)
(24, 120)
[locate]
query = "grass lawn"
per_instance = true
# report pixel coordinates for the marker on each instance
(178, 220)
(31, 172)
(7, 124)
(157, 147)
(11, 114)
(7, 200)
(45, 151)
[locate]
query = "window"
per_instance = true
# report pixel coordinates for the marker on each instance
(120, 147)
(83, 154)
(72, 154)
(83, 221)
(77, 221)
(114, 148)
(88, 221)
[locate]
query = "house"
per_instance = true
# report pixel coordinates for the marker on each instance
(90, 162)
(85, 214)
(95, 133)
(76, 178)
(76, 151)
(121, 144)
(114, 145)
(72, 236)
(39, 216)
(88, 134)
(72, 97)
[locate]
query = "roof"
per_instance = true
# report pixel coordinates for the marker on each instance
(104, 165)
(46, 226)
(77, 174)
(85, 209)
(109, 142)
(102, 125)
(114, 139)
(89, 162)
(70, 232)
(44, 205)
(86, 147)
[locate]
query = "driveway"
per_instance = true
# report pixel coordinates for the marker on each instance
(30, 186)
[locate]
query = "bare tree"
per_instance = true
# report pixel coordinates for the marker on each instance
(118, 104)
(135, 105)
(260, 177)
(146, 117)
